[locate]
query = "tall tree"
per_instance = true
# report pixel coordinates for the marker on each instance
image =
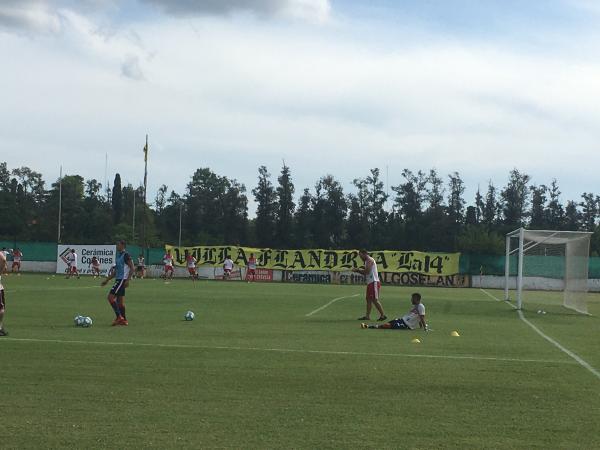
(491, 207)
(479, 206)
(285, 208)
(370, 198)
(161, 198)
(435, 192)
(589, 211)
(538, 207)
(266, 199)
(456, 202)
(555, 213)
(117, 200)
(303, 219)
(356, 225)
(408, 208)
(329, 213)
(572, 217)
(516, 197)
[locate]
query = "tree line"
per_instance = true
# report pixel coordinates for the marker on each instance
(425, 211)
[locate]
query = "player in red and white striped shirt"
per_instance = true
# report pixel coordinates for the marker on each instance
(17, 256)
(251, 268)
(168, 261)
(191, 266)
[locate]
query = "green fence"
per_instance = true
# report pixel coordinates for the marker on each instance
(46, 251)
(535, 265)
(471, 264)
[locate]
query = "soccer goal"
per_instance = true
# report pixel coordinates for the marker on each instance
(548, 260)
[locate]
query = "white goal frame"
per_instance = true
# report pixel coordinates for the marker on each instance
(529, 239)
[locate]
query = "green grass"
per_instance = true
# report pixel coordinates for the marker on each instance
(252, 371)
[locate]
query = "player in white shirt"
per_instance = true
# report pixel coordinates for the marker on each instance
(168, 261)
(373, 285)
(17, 257)
(191, 266)
(412, 320)
(72, 264)
(140, 268)
(227, 268)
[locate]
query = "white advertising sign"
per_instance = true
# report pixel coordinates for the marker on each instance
(85, 253)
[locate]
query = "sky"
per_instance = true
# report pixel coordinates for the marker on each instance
(328, 86)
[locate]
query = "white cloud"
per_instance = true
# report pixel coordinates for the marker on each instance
(311, 10)
(234, 94)
(29, 15)
(131, 68)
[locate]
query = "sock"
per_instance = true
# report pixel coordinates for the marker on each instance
(115, 308)
(122, 310)
(372, 326)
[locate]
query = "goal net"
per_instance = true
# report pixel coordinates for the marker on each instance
(548, 260)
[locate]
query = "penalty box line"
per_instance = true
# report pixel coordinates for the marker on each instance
(289, 350)
(329, 303)
(583, 363)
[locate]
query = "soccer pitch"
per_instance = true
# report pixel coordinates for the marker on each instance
(257, 370)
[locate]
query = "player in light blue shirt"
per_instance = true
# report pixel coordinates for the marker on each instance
(122, 273)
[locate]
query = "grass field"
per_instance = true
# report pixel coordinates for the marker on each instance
(254, 371)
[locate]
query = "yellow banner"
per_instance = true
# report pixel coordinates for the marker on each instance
(316, 259)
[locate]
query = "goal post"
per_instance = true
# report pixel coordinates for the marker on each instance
(548, 260)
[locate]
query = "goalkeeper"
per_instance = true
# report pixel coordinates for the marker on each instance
(414, 319)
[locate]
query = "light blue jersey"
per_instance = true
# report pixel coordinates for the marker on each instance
(122, 265)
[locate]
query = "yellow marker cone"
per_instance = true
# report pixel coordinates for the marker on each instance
(416, 341)
(454, 334)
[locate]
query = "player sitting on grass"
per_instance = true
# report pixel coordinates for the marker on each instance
(410, 321)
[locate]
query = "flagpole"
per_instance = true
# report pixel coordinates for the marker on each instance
(59, 204)
(133, 223)
(143, 243)
(180, 214)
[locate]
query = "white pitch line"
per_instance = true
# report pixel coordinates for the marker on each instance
(565, 350)
(289, 350)
(497, 299)
(329, 303)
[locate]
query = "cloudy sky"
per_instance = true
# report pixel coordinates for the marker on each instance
(331, 86)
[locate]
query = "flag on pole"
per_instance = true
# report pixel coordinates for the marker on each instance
(146, 152)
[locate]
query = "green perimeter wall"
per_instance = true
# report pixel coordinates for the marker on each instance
(471, 264)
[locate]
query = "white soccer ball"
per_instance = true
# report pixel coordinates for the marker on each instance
(189, 315)
(87, 322)
(78, 320)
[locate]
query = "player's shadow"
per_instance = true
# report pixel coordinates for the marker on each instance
(357, 322)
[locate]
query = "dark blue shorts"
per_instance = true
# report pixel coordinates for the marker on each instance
(398, 324)
(118, 288)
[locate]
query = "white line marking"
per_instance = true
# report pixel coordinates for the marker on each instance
(573, 355)
(330, 303)
(289, 350)
(497, 299)
(557, 345)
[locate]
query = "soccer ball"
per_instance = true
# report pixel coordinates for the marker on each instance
(87, 322)
(78, 320)
(189, 315)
